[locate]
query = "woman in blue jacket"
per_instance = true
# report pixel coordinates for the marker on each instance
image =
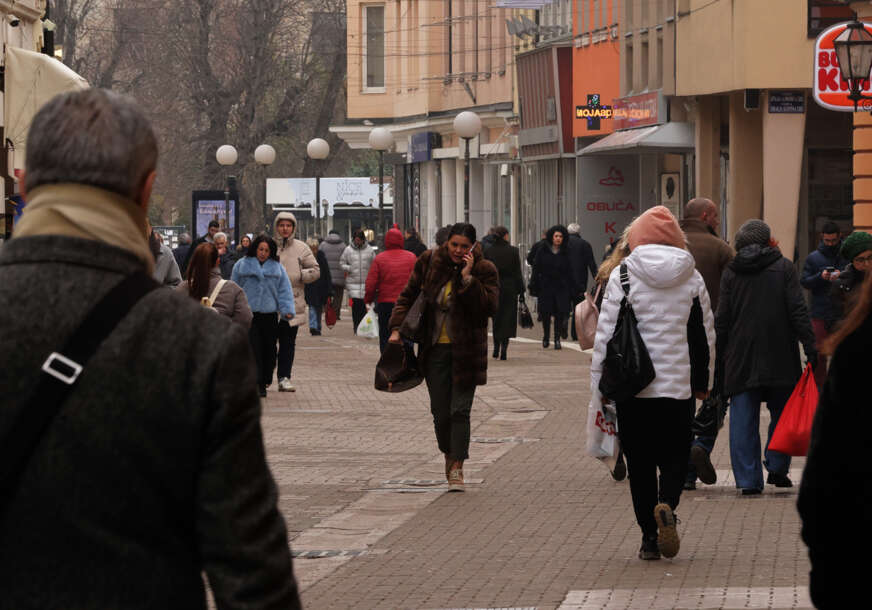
(269, 295)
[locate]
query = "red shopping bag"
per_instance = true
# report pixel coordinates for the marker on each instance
(330, 313)
(793, 432)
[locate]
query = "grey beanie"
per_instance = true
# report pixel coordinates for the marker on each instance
(754, 231)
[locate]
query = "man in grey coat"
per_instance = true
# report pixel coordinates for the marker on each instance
(333, 247)
(153, 470)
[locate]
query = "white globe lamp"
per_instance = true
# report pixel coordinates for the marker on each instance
(467, 124)
(265, 154)
(318, 149)
(226, 155)
(380, 139)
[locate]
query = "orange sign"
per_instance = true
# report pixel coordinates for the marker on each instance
(830, 91)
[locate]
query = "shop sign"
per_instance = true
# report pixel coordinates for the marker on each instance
(830, 91)
(609, 194)
(640, 110)
(787, 102)
(421, 147)
(594, 112)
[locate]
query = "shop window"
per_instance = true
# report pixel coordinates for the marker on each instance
(374, 47)
(824, 13)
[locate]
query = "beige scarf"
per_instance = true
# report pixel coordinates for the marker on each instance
(78, 210)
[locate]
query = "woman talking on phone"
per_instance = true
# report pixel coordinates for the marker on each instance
(461, 291)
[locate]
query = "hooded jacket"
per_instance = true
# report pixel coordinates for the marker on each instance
(390, 270)
(333, 247)
(355, 262)
(664, 285)
(299, 263)
(816, 263)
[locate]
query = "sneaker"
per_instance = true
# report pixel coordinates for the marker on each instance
(285, 385)
(455, 477)
(751, 491)
(779, 480)
(448, 463)
(261, 390)
(619, 473)
(667, 534)
(701, 460)
(649, 549)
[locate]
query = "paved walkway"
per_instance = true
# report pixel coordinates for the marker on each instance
(541, 525)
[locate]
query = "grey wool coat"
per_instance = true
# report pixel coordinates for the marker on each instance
(154, 470)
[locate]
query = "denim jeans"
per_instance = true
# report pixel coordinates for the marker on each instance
(314, 317)
(745, 435)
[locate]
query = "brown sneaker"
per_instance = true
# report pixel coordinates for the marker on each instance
(455, 477)
(667, 533)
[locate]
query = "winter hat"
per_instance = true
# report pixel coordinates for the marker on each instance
(855, 243)
(754, 231)
(394, 238)
(656, 226)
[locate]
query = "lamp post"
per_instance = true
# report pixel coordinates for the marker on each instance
(264, 156)
(380, 139)
(318, 150)
(854, 52)
(467, 124)
(227, 156)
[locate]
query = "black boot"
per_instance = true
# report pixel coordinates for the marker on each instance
(546, 330)
(503, 348)
(496, 349)
(557, 332)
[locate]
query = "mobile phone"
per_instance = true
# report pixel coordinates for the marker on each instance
(830, 269)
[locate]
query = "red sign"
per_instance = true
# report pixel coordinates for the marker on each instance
(830, 91)
(638, 110)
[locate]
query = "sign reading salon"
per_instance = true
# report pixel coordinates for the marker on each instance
(830, 91)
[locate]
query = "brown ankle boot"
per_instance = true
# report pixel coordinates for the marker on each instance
(455, 476)
(448, 464)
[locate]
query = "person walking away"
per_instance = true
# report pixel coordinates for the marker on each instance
(761, 318)
(461, 290)
(413, 243)
(711, 255)
(581, 261)
(355, 262)
(822, 268)
(180, 252)
(333, 247)
(554, 281)
(488, 240)
(153, 473)
(834, 493)
(319, 291)
(302, 268)
(166, 271)
(386, 279)
(226, 258)
(203, 280)
(507, 260)
(269, 295)
(675, 322)
(856, 248)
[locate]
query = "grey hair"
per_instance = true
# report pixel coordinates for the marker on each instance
(185, 238)
(220, 235)
(93, 137)
(574, 228)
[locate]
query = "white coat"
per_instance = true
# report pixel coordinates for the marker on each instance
(355, 262)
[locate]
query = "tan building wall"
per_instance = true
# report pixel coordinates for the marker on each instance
(647, 52)
(863, 151)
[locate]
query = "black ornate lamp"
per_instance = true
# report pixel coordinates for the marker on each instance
(854, 52)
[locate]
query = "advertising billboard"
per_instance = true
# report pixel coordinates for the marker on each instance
(210, 205)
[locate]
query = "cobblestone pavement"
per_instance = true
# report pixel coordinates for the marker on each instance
(540, 526)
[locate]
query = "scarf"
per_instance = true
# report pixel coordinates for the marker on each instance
(78, 210)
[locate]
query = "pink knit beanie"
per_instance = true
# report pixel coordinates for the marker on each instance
(656, 226)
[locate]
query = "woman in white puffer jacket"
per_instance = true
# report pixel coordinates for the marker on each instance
(673, 311)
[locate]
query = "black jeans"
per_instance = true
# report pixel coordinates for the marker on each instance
(287, 348)
(262, 334)
(338, 293)
(546, 325)
(384, 311)
(655, 433)
(358, 310)
(450, 406)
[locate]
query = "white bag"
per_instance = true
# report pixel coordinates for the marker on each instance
(368, 327)
(602, 433)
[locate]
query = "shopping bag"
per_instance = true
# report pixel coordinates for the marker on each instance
(602, 432)
(368, 327)
(330, 313)
(793, 431)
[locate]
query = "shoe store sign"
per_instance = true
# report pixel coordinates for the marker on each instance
(830, 91)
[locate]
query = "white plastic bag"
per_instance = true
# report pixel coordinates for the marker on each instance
(368, 327)
(602, 432)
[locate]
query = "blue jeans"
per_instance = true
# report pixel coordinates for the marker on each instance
(745, 435)
(314, 317)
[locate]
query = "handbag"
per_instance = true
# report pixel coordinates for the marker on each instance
(412, 327)
(397, 369)
(627, 368)
(330, 312)
(793, 431)
(525, 318)
(586, 318)
(710, 417)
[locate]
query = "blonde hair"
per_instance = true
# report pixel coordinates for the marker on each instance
(619, 253)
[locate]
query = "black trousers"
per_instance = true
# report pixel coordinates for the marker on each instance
(384, 311)
(262, 334)
(655, 433)
(338, 293)
(358, 310)
(546, 325)
(449, 405)
(287, 348)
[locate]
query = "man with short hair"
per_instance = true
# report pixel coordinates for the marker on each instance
(226, 258)
(153, 470)
(209, 238)
(581, 261)
(180, 252)
(413, 243)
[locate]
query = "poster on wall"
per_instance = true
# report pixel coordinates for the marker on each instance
(210, 205)
(609, 198)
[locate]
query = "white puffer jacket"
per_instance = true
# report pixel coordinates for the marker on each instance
(356, 263)
(663, 285)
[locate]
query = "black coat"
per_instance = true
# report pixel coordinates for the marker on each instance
(154, 469)
(507, 260)
(581, 261)
(835, 496)
(414, 245)
(845, 292)
(760, 319)
(825, 256)
(225, 264)
(554, 280)
(180, 253)
(318, 291)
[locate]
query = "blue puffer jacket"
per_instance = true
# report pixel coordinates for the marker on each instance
(266, 286)
(825, 256)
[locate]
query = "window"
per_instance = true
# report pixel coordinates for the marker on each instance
(824, 13)
(374, 46)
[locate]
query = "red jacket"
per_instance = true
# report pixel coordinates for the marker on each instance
(390, 270)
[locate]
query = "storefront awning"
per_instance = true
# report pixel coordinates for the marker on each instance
(669, 137)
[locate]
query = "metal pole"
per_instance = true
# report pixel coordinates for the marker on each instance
(318, 202)
(381, 188)
(227, 202)
(466, 183)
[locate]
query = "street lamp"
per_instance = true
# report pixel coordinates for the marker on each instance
(264, 156)
(318, 150)
(467, 124)
(380, 139)
(854, 52)
(227, 156)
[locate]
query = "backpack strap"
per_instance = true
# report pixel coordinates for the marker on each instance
(216, 291)
(625, 279)
(60, 372)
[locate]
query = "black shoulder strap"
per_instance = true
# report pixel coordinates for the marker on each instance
(625, 279)
(60, 371)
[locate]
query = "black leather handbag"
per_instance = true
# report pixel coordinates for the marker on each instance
(397, 369)
(627, 368)
(525, 318)
(412, 327)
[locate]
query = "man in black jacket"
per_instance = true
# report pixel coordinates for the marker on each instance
(153, 470)
(581, 261)
(413, 243)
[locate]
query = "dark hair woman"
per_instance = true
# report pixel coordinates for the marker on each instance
(507, 260)
(204, 282)
(554, 279)
(266, 284)
(242, 248)
(461, 291)
(836, 486)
